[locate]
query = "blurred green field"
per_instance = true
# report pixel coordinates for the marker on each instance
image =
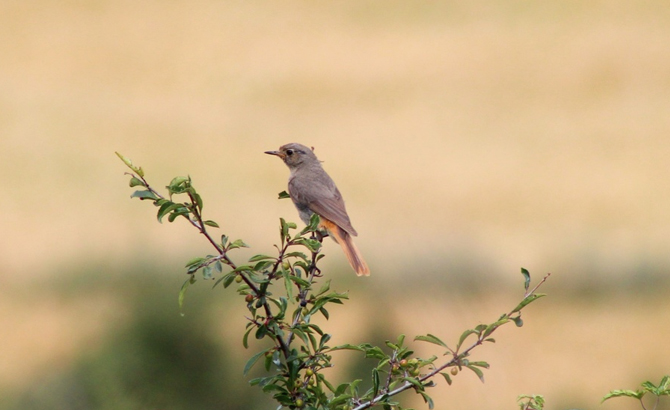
(469, 139)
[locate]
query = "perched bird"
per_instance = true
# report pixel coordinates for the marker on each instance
(313, 191)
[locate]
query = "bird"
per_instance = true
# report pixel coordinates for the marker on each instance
(313, 191)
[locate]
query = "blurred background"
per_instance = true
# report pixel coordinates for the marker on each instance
(469, 138)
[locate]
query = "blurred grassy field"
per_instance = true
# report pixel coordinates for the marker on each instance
(469, 139)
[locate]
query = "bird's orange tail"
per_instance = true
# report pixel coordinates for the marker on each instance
(346, 241)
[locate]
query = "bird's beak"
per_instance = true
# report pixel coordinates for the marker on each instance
(277, 153)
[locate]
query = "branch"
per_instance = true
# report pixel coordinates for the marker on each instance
(457, 357)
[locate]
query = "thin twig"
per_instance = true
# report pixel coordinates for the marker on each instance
(457, 358)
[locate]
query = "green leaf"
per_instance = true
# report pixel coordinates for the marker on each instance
(485, 365)
(527, 300)
(324, 288)
(261, 332)
(182, 291)
(477, 371)
(195, 261)
(428, 400)
(283, 228)
(464, 336)
(198, 201)
(251, 362)
(227, 279)
(493, 326)
(340, 398)
(238, 243)
(207, 272)
(535, 402)
(177, 183)
(166, 208)
(211, 223)
(401, 340)
(341, 389)
(268, 363)
(136, 182)
(414, 381)
(263, 265)
(178, 212)
(284, 195)
(664, 386)
(245, 339)
(649, 386)
(125, 160)
(313, 225)
(348, 346)
(142, 195)
(446, 377)
(375, 382)
(375, 352)
(300, 255)
(432, 339)
(311, 244)
(526, 276)
(195, 264)
(288, 285)
(299, 281)
(322, 378)
(624, 393)
(257, 258)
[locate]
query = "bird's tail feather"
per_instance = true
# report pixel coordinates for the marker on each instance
(349, 248)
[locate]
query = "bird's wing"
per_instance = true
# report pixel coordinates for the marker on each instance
(325, 200)
(333, 209)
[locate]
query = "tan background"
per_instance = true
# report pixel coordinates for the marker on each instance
(469, 139)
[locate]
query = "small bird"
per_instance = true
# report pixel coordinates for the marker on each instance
(313, 191)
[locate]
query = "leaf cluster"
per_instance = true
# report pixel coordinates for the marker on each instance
(282, 295)
(530, 402)
(647, 387)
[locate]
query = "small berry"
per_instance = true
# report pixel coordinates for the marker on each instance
(403, 363)
(249, 298)
(299, 403)
(414, 372)
(238, 278)
(454, 371)
(309, 372)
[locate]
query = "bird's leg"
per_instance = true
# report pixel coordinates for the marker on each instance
(319, 235)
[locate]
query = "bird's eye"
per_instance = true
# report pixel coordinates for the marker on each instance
(289, 152)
